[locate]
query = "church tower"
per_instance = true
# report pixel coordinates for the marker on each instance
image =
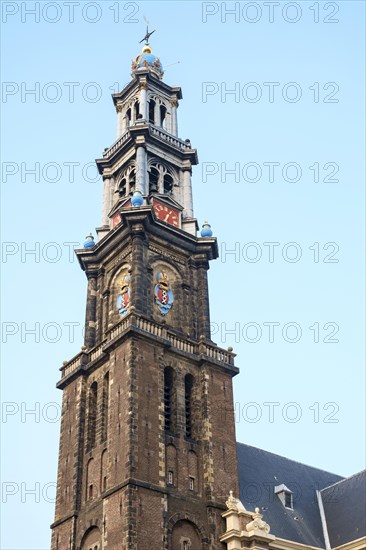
(147, 446)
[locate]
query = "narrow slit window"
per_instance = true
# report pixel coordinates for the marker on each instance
(128, 116)
(162, 115)
(168, 398)
(152, 111)
(132, 181)
(168, 184)
(153, 180)
(105, 407)
(92, 415)
(188, 382)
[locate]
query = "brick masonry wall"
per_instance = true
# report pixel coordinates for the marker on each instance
(131, 504)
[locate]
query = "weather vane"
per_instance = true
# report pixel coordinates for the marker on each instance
(148, 34)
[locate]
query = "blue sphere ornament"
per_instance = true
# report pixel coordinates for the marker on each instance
(89, 241)
(137, 199)
(147, 60)
(206, 230)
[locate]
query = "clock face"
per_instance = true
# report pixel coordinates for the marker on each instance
(166, 213)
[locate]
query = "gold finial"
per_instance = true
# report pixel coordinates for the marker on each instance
(147, 49)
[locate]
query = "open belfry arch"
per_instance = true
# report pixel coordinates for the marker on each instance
(147, 447)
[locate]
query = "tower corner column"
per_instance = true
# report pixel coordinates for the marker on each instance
(120, 128)
(143, 100)
(141, 169)
(174, 120)
(187, 194)
(106, 201)
(90, 318)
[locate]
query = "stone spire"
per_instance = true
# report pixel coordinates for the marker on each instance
(148, 158)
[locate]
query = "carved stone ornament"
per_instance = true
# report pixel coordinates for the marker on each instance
(232, 503)
(257, 524)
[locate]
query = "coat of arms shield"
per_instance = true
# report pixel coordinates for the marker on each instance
(164, 297)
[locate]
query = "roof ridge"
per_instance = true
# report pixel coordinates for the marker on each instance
(296, 461)
(342, 480)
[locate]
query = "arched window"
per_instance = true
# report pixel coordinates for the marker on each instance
(132, 181)
(105, 407)
(103, 471)
(188, 386)
(91, 539)
(162, 115)
(171, 466)
(152, 111)
(122, 188)
(193, 480)
(168, 398)
(168, 183)
(153, 180)
(185, 536)
(90, 479)
(128, 117)
(92, 415)
(126, 185)
(161, 178)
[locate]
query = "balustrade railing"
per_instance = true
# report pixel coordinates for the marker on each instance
(162, 134)
(96, 352)
(181, 344)
(148, 326)
(109, 152)
(156, 131)
(71, 365)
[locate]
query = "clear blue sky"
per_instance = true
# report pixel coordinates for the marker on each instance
(319, 383)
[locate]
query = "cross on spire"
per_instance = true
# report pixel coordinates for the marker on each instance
(147, 35)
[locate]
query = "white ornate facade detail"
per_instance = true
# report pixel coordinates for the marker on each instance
(257, 524)
(244, 528)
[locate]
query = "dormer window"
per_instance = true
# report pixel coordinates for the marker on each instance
(288, 500)
(285, 495)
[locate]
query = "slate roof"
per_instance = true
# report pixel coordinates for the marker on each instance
(344, 506)
(260, 471)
